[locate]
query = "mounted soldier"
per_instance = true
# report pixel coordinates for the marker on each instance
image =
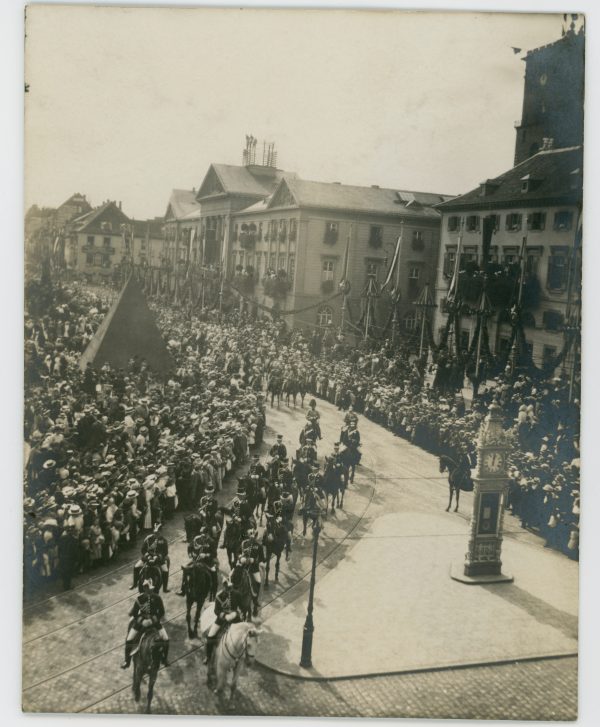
(251, 557)
(202, 551)
(226, 613)
(155, 549)
(313, 417)
(146, 612)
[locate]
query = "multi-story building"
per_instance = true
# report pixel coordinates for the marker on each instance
(181, 227)
(534, 207)
(105, 238)
(45, 227)
(289, 248)
(225, 190)
(553, 95)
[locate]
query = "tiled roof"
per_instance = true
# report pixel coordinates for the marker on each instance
(86, 222)
(254, 181)
(375, 200)
(551, 179)
(182, 202)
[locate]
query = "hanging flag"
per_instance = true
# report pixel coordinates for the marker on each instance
(56, 244)
(345, 263)
(453, 289)
(395, 263)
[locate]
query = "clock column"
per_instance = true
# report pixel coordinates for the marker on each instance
(483, 562)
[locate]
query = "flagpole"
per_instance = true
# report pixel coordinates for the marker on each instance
(423, 320)
(395, 300)
(345, 280)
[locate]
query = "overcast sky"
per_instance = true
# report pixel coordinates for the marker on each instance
(127, 104)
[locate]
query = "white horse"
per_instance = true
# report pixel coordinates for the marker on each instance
(236, 645)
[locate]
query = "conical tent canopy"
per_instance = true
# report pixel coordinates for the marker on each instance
(129, 329)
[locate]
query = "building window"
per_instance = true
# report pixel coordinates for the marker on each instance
(291, 267)
(472, 223)
(552, 320)
(514, 221)
(413, 273)
(449, 262)
(548, 357)
(495, 221)
(90, 240)
(418, 240)
(376, 236)
(453, 223)
(328, 270)
(273, 261)
(105, 261)
(282, 230)
(98, 259)
(373, 268)
(143, 244)
(536, 221)
(557, 270)
(89, 259)
(331, 233)
(259, 231)
(563, 220)
(510, 255)
(106, 241)
(235, 233)
(325, 316)
(293, 230)
(410, 320)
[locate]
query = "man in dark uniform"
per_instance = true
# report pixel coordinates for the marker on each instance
(154, 544)
(209, 503)
(203, 550)
(313, 498)
(68, 555)
(279, 449)
(147, 611)
(226, 613)
(251, 557)
(309, 451)
(256, 468)
(352, 443)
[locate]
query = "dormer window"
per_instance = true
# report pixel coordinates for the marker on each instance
(529, 183)
(488, 187)
(106, 227)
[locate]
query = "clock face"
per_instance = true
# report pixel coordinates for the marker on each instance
(493, 462)
(543, 79)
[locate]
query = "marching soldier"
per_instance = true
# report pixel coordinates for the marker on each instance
(147, 611)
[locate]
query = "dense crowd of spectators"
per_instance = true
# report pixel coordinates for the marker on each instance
(110, 453)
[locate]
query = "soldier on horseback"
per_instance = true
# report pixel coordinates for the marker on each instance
(313, 499)
(309, 451)
(226, 613)
(251, 557)
(351, 417)
(351, 440)
(209, 503)
(279, 449)
(146, 612)
(155, 550)
(202, 550)
(313, 417)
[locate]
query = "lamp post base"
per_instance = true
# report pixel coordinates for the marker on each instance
(458, 572)
(307, 639)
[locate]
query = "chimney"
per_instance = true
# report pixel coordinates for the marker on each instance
(119, 204)
(547, 143)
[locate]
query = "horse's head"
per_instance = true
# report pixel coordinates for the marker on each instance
(252, 642)
(443, 464)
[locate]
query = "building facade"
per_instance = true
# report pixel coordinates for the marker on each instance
(534, 209)
(100, 242)
(289, 251)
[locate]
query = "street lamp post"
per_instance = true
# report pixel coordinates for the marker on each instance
(309, 628)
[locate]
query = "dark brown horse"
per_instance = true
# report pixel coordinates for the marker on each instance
(197, 590)
(146, 660)
(459, 477)
(275, 540)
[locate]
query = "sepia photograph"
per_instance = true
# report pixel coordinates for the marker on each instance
(302, 362)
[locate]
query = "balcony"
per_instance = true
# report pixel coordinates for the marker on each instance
(277, 285)
(502, 287)
(97, 249)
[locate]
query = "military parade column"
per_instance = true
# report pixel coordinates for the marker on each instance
(483, 562)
